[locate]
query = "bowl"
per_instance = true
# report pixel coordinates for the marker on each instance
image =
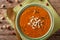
(19, 28)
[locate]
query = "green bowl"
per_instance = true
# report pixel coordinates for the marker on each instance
(25, 37)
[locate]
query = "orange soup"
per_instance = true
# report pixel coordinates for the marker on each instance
(34, 21)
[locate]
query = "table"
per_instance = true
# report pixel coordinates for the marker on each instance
(3, 34)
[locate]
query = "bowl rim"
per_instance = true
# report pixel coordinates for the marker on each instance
(51, 17)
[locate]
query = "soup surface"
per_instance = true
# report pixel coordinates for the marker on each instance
(34, 21)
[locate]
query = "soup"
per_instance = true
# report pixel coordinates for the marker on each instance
(34, 21)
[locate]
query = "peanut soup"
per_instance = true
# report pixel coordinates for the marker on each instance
(34, 21)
